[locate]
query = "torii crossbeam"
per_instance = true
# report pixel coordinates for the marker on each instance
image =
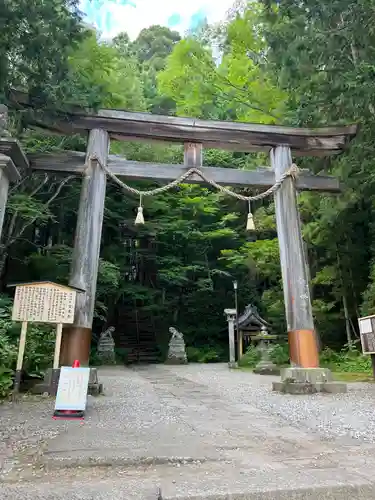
(280, 142)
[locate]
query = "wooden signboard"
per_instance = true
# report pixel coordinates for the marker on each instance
(44, 302)
(72, 389)
(367, 334)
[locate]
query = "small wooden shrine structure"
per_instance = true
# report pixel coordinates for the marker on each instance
(250, 324)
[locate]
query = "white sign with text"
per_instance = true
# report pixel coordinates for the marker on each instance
(72, 389)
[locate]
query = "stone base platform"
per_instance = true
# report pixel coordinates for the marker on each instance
(176, 361)
(308, 381)
(266, 367)
(51, 380)
(267, 370)
(233, 364)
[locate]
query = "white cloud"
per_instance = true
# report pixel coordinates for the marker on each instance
(112, 17)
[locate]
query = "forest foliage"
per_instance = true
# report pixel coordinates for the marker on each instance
(299, 63)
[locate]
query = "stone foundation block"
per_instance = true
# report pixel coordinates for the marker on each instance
(296, 380)
(294, 388)
(335, 387)
(51, 379)
(232, 364)
(267, 370)
(303, 375)
(174, 360)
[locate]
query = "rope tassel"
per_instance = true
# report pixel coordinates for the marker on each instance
(250, 226)
(140, 219)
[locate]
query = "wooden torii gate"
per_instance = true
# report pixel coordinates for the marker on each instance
(279, 142)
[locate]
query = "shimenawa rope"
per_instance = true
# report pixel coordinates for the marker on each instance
(291, 172)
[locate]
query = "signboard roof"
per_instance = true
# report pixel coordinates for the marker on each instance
(45, 282)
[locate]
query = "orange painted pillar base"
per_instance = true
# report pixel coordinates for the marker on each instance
(303, 348)
(76, 342)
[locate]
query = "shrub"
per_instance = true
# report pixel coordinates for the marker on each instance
(122, 355)
(94, 357)
(38, 351)
(205, 354)
(250, 358)
(346, 360)
(6, 381)
(280, 354)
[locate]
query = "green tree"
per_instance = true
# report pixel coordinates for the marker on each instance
(36, 38)
(104, 75)
(151, 49)
(321, 54)
(231, 85)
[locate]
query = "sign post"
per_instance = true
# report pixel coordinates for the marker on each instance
(42, 302)
(56, 358)
(21, 353)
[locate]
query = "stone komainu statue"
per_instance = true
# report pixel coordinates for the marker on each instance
(106, 346)
(176, 352)
(176, 335)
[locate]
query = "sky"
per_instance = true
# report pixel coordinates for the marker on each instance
(111, 17)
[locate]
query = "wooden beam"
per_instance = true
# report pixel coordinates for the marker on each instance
(215, 125)
(73, 162)
(234, 136)
(251, 148)
(12, 148)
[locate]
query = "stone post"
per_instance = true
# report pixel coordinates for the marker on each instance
(8, 170)
(8, 173)
(231, 318)
(4, 121)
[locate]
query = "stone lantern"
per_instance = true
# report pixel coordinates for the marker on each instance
(265, 365)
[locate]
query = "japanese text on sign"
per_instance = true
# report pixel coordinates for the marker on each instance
(367, 334)
(72, 389)
(47, 303)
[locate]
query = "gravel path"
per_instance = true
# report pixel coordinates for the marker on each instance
(195, 432)
(333, 416)
(24, 426)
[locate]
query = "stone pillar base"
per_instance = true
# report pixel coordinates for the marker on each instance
(51, 380)
(174, 360)
(297, 380)
(266, 369)
(232, 364)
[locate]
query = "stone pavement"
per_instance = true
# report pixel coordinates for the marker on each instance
(204, 432)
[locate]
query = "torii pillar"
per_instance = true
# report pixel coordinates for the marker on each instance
(304, 376)
(76, 339)
(298, 309)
